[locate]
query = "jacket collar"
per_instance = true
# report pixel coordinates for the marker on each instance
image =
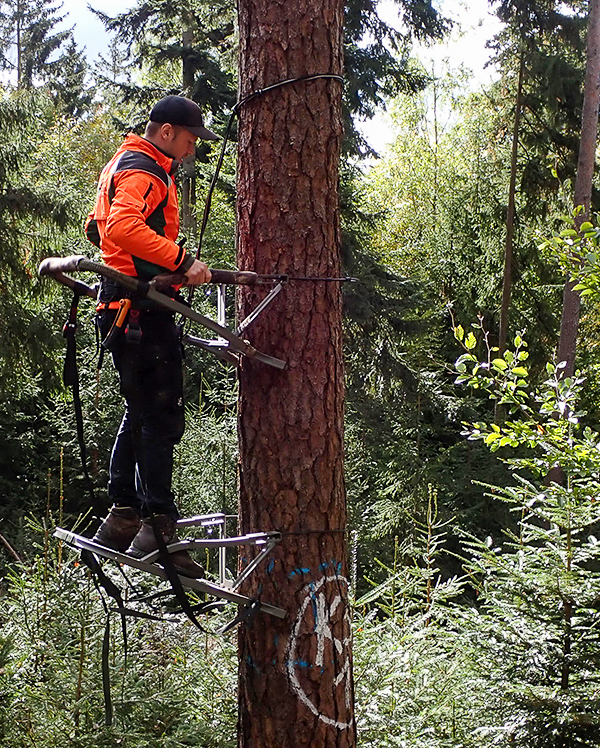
(134, 142)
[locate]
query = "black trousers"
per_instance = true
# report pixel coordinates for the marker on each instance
(151, 378)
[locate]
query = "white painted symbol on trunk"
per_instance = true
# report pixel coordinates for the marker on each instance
(330, 622)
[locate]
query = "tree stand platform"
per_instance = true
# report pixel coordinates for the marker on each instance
(224, 589)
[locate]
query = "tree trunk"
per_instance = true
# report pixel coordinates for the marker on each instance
(583, 183)
(188, 187)
(295, 675)
(19, 51)
(510, 214)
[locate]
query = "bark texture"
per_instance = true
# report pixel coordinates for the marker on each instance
(295, 675)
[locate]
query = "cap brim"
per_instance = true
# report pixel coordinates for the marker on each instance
(202, 132)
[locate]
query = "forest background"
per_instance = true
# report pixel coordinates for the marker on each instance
(475, 580)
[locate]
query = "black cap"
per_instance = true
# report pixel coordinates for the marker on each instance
(177, 110)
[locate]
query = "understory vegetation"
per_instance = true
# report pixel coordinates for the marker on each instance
(472, 469)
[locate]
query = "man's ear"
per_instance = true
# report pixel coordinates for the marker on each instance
(167, 130)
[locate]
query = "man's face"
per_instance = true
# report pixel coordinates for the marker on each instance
(181, 142)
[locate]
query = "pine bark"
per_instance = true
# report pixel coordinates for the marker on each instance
(295, 675)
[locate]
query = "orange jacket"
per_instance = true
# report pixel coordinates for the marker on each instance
(135, 220)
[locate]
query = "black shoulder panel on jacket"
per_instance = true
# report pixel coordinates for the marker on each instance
(136, 161)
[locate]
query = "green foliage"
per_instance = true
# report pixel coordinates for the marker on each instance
(403, 412)
(206, 466)
(178, 46)
(410, 685)
(71, 92)
(411, 672)
(508, 654)
(439, 197)
(539, 587)
(550, 38)
(176, 687)
(31, 218)
(28, 40)
(577, 248)
(377, 60)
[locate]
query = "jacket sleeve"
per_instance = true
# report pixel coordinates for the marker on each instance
(137, 195)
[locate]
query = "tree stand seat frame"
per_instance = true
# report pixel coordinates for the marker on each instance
(229, 346)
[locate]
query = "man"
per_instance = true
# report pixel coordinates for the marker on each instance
(135, 222)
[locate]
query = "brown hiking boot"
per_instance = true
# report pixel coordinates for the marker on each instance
(118, 529)
(145, 542)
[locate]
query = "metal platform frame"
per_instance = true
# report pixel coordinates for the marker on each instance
(225, 589)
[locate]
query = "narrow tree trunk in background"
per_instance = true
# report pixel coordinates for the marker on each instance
(510, 214)
(569, 322)
(436, 143)
(295, 675)
(19, 58)
(188, 187)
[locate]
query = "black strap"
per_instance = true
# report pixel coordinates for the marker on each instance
(100, 579)
(71, 379)
(108, 709)
(165, 559)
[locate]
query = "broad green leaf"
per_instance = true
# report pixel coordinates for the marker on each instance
(492, 437)
(470, 341)
(520, 371)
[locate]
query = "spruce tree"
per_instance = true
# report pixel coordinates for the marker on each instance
(183, 47)
(537, 616)
(29, 41)
(28, 218)
(69, 85)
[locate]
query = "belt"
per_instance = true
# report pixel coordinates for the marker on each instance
(147, 307)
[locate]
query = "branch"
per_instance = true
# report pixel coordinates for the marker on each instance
(10, 549)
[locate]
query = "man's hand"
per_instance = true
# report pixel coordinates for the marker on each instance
(197, 273)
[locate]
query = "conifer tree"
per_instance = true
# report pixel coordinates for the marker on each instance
(25, 215)
(541, 48)
(152, 34)
(537, 615)
(71, 91)
(29, 41)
